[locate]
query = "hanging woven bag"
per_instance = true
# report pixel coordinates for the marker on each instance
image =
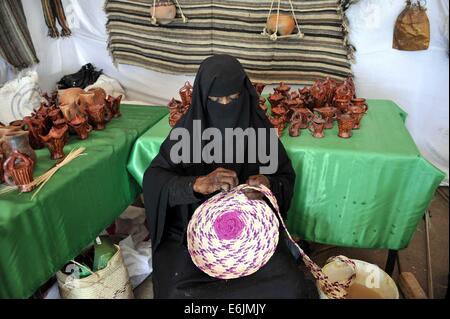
(412, 29)
(230, 236)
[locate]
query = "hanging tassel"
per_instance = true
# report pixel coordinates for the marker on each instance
(50, 20)
(58, 11)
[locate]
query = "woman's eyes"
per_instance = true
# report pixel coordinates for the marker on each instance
(230, 97)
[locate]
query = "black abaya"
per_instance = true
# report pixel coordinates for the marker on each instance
(170, 200)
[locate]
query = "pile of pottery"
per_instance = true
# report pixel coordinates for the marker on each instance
(179, 108)
(315, 108)
(71, 111)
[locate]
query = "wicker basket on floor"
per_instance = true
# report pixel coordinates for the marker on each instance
(112, 282)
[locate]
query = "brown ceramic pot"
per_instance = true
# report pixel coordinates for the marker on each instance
(186, 94)
(342, 105)
(164, 11)
(18, 171)
(307, 115)
(286, 24)
(362, 103)
(55, 141)
(283, 89)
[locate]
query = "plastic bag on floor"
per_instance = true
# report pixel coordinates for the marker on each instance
(137, 259)
(132, 222)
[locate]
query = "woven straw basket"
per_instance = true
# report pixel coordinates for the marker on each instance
(112, 282)
(230, 236)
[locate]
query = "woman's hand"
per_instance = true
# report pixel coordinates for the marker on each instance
(220, 179)
(256, 180)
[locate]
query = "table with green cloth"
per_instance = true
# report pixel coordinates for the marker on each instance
(369, 191)
(37, 237)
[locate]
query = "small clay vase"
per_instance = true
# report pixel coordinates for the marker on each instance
(358, 114)
(328, 114)
(18, 171)
(295, 123)
(96, 116)
(55, 141)
(164, 11)
(286, 24)
(17, 141)
(317, 127)
(81, 127)
(346, 122)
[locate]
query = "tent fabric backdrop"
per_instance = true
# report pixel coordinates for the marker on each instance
(417, 81)
(234, 27)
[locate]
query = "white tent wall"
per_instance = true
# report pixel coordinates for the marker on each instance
(417, 81)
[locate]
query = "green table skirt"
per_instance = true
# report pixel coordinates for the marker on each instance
(37, 237)
(369, 191)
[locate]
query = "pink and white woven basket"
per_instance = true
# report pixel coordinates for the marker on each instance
(230, 236)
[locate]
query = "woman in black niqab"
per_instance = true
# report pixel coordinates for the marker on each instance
(172, 192)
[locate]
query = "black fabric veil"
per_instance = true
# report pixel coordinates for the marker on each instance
(219, 75)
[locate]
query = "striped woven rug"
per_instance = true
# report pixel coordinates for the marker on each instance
(233, 27)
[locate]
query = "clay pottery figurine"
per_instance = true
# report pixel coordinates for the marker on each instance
(17, 141)
(305, 95)
(100, 99)
(81, 127)
(69, 111)
(342, 105)
(360, 102)
(55, 141)
(186, 94)
(18, 171)
(114, 105)
(330, 88)
(85, 100)
(55, 115)
(97, 116)
(259, 87)
(328, 114)
(294, 95)
(307, 115)
(358, 114)
(35, 126)
(174, 105)
(286, 24)
(346, 122)
(164, 11)
(283, 89)
(69, 96)
(317, 127)
(275, 99)
(295, 123)
(279, 111)
(319, 94)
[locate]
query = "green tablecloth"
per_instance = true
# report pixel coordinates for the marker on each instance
(369, 191)
(38, 237)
